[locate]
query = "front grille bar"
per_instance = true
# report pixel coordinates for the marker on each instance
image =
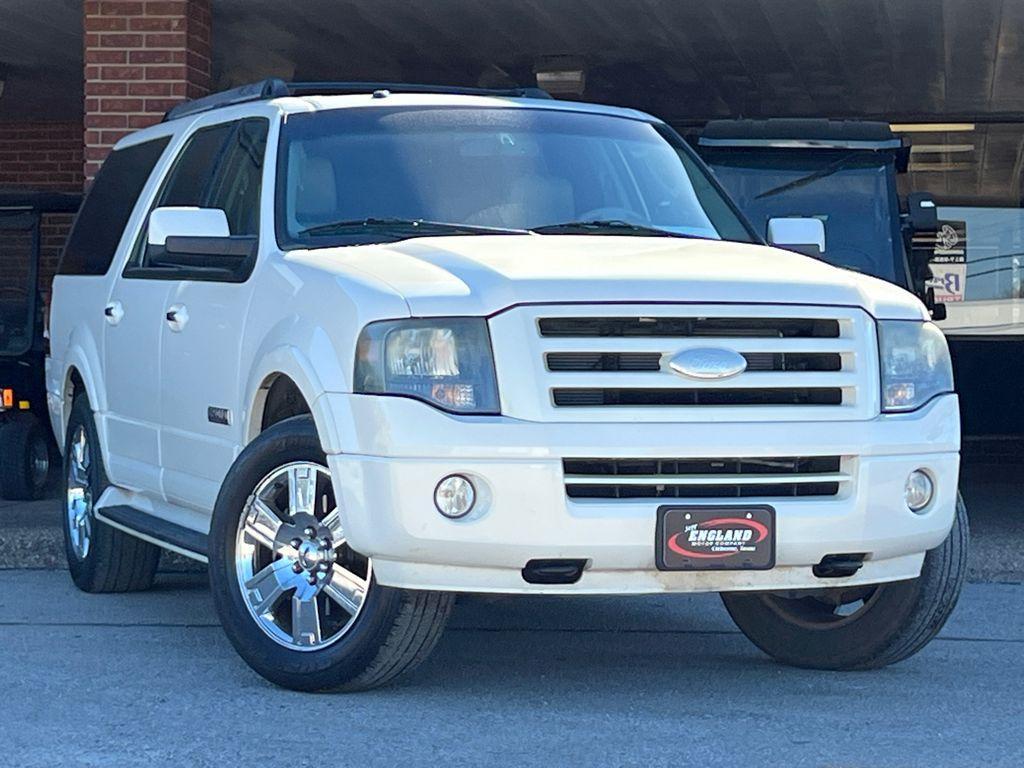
(763, 477)
(683, 327)
(582, 397)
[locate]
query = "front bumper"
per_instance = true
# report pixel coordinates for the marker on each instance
(387, 454)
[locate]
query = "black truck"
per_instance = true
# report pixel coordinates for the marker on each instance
(27, 447)
(845, 173)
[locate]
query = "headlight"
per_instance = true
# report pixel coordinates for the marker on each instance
(915, 364)
(446, 362)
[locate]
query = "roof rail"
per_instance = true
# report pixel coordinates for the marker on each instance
(265, 89)
(273, 87)
(336, 88)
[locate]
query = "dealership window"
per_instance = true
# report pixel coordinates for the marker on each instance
(974, 172)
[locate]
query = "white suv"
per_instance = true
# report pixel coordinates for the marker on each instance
(363, 350)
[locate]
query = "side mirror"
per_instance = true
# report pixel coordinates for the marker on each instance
(195, 238)
(922, 213)
(803, 234)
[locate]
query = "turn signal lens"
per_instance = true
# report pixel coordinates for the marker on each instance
(8, 398)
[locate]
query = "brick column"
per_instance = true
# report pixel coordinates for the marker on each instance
(141, 58)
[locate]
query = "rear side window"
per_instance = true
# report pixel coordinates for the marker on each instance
(105, 212)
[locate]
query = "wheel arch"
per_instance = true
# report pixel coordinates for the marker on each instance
(81, 372)
(283, 371)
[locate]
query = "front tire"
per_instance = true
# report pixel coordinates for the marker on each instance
(100, 558)
(860, 627)
(298, 604)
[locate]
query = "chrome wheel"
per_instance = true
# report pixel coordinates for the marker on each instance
(302, 583)
(79, 499)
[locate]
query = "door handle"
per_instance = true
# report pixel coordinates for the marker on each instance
(177, 317)
(113, 312)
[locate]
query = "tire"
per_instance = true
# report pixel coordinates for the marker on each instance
(381, 634)
(106, 560)
(25, 458)
(894, 622)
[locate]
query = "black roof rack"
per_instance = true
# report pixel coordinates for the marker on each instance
(273, 88)
(799, 132)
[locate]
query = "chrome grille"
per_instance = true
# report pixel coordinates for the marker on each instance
(611, 363)
(721, 478)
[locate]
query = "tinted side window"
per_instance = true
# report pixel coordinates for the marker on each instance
(193, 172)
(188, 180)
(236, 188)
(101, 221)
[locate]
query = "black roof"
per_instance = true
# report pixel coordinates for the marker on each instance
(800, 133)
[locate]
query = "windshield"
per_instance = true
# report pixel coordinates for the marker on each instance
(362, 175)
(854, 195)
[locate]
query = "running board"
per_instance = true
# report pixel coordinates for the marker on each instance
(142, 525)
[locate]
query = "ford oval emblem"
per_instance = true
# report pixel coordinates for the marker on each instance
(708, 363)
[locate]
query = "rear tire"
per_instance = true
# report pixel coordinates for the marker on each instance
(100, 558)
(24, 458)
(278, 554)
(894, 621)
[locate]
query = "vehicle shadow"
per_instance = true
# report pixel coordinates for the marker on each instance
(577, 645)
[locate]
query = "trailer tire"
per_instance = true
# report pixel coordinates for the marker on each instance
(25, 458)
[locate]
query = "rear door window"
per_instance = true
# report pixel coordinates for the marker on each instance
(107, 207)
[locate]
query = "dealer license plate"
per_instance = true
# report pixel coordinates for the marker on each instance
(705, 538)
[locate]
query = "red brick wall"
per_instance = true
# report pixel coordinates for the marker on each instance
(141, 58)
(41, 155)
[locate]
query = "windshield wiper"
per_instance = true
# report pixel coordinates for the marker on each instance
(821, 173)
(607, 226)
(405, 226)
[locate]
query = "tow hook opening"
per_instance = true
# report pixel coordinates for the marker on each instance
(839, 566)
(563, 571)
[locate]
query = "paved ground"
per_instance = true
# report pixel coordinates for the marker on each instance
(149, 679)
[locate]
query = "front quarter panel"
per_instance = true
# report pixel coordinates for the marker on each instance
(304, 323)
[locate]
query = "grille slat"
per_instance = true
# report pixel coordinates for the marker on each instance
(774, 477)
(684, 327)
(561, 362)
(582, 397)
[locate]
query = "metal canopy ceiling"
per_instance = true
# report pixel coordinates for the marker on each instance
(681, 59)
(684, 60)
(41, 59)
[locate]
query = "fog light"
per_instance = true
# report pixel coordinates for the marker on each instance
(454, 496)
(918, 490)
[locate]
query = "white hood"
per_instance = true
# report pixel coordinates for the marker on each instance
(484, 274)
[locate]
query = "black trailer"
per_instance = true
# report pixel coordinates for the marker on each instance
(27, 447)
(844, 172)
